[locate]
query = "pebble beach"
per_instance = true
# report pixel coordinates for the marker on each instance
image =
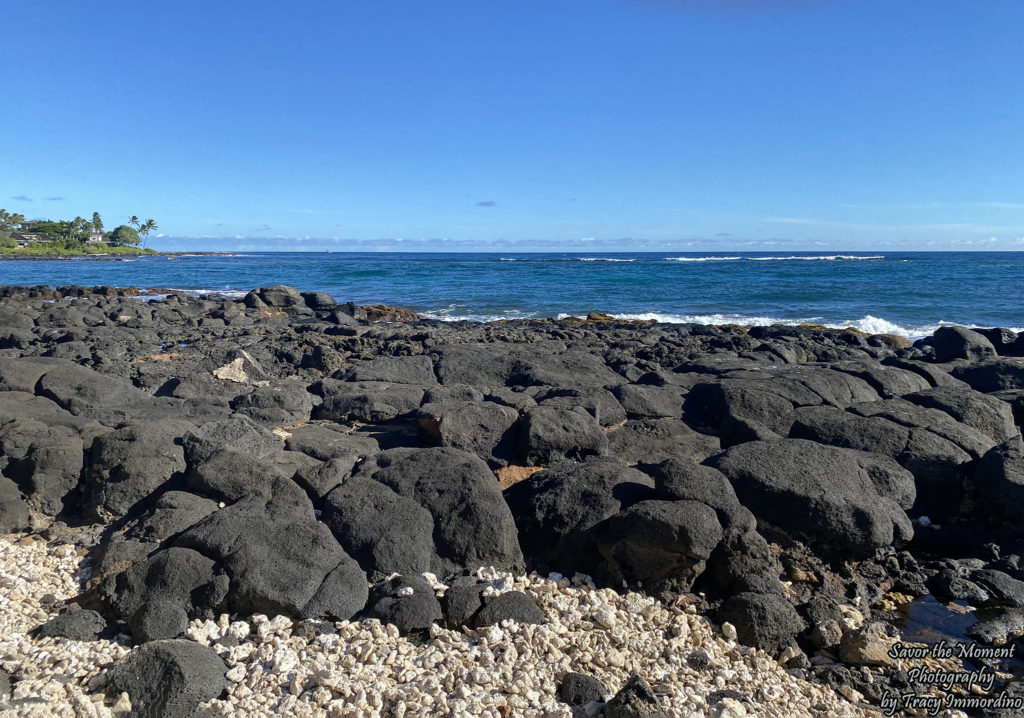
(278, 666)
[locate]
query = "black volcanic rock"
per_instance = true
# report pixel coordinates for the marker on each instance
(382, 530)
(13, 509)
(128, 465)
(765, 621)
(408, 602)
(472, 524)
(658, 545)
(511, 605)
(960, 343)
(555, 509)
(168, 679)
(816, 491)
(548, 435)
(77, 625)
(279, 558)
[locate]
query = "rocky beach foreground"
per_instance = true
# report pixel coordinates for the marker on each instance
(280, 505)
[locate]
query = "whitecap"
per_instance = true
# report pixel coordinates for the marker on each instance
(702, 259)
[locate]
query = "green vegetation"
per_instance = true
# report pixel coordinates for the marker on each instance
(125, 235)
(49, 250)
(77, 236)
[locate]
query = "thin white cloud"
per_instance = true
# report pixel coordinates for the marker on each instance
(934, 205)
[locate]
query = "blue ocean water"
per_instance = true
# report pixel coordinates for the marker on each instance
(909, 293)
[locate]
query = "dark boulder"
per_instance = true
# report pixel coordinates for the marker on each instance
(636, 699)
(23, 374)
(279, 558)
(960, 343)
(599, 403)
(24, 407)
(511, 605)
(168, 679)
(744, 411)
(938, 422)
(993, 375)
(548, 434)
(987, 414)
(418, 370)
(408, 602)
(935, 375)
(276, 405)
(229, 474)
(176, 577)
(85, 392)
(837, 385)
(889, 478)
(323, 442)
(48, 468)
(1015, 399)
(954, 584)
(485, 429)
(371, 402)
(650, 402)
(319, 301)
(544, 363)
(239, 432)
(77, 625)
(658, 545)
(281, 296)
(744, 562)
(461, 601)
(384, 532)
(1006, 625)
(999, 484)
(1004, 340)
(472, 524)
(322, 478)
(676, 480)
(765, 621)
(14, 515)
(1003, 589)
(555, 509)
(816, 491)
(579, 689)
(886, 381)
(649, 441)
(172, 513)
(157, 620)
(835, 427)
(129, 465)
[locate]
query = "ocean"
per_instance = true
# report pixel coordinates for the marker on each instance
(906, 293)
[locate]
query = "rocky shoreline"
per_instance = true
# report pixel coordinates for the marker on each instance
(402, 491)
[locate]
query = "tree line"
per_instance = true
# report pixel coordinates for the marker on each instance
(75, 233)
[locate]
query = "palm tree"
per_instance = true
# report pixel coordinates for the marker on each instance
(10, 220)
(97, 223)
(134, 221)
(148, 226)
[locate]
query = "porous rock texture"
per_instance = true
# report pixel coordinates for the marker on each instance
(278, 454)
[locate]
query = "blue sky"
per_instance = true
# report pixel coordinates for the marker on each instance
(555, 124)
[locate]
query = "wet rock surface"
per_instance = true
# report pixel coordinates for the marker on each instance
(280, 453)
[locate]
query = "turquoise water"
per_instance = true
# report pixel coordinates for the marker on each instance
(909, 293)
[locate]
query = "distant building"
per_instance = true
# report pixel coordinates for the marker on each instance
(26, 238)
(97, 238)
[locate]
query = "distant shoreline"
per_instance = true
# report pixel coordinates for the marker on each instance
(108, 257)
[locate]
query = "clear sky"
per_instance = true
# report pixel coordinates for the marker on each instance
(526, 124)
